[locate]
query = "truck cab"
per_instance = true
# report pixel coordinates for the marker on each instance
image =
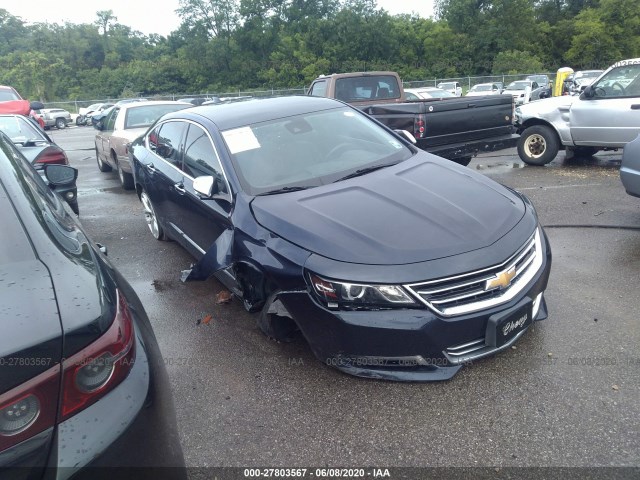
(360, 88)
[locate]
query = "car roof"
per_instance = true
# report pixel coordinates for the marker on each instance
(131, 105)
(239, 114)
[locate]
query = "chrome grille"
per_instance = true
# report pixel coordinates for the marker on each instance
(482, 289)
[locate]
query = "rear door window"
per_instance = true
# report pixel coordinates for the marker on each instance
(167, 141)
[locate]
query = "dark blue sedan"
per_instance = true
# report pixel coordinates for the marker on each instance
(392, 262)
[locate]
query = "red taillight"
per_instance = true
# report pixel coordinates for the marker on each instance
(419, 127)
(29, 409)
(52, 155)
(98, 368)
(87, 376)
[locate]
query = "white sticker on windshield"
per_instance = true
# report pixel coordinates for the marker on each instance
(240, 140)
(396, 144)
(349, 114)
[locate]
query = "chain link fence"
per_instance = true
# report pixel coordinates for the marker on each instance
(465, 82)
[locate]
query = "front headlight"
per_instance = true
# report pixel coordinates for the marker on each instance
(354, 295)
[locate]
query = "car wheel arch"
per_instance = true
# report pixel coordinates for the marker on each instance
(254, 283)
(543, 123)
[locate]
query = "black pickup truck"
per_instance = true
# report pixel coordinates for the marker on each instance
(456, 128)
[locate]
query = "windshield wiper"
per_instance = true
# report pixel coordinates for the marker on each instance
(283, 190)
(364, 171)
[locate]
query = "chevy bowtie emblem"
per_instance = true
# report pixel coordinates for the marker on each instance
(502, 280)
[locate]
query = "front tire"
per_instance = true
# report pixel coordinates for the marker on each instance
(60, 123)
(538, 145)
(151, 217)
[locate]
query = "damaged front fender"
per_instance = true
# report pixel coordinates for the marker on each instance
(218, 257)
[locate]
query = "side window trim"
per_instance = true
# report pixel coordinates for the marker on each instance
(157, 128)
(215, 150)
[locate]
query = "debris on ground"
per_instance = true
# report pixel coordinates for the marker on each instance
(224, 296)
(205, 320)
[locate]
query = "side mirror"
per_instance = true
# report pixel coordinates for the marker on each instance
(406, 135)
(59, 175)
(36, 105)
(99, 125)
(205, 186)
(588, 92)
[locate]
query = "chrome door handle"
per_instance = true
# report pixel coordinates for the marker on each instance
(180, 188)
(151, 168)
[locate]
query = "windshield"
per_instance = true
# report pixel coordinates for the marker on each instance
(481, 88)
(375, 87)
(619, 82)
(310, 149)
(8, 95)
(539, 79)
(18, 129)
(146, 115)
(522, 85)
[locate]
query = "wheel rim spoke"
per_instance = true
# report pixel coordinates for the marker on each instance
(149, 215)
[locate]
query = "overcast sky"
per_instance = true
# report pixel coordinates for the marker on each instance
(147, 16)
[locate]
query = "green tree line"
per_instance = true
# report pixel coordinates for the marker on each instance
(224, 45)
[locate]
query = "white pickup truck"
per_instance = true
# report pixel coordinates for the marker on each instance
(606, 116)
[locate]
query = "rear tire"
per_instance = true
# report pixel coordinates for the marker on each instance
(538, 145)
(103, 167)
(126, 179)
(151, 217)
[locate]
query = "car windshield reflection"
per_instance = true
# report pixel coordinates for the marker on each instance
(310, 149)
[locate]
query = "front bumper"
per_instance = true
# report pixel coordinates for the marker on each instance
(411, 344)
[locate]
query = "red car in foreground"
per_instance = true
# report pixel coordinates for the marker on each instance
(12, 102)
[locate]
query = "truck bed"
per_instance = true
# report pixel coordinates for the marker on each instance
(450, 121)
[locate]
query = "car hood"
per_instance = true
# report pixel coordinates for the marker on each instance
(421, 209)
